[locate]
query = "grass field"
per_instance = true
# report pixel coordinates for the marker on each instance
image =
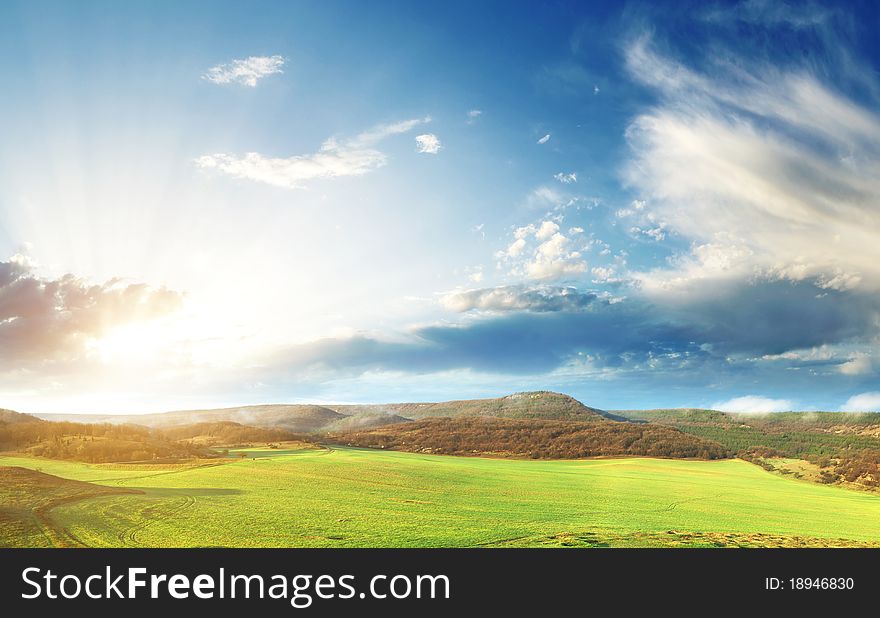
(360, 498)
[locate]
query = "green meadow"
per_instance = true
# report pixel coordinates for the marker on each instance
(362, 498)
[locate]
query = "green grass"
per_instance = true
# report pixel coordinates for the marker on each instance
(360, 498)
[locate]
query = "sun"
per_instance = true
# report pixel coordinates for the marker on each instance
(140, 342)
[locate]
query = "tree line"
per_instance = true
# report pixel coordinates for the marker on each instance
(538, 439)
(105, 442)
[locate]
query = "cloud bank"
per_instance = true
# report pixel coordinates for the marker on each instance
(754, 404)
(863, 402)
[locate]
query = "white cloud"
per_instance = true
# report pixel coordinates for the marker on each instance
(605, 274)
(519, 298)
(549, 270)
(516, 247)
(857, 366)
(522, 232)
(553, 247)
(350, 158)
(654, 233)
(292, 172)
(428, 143)
(546, 230)
(635, 208)
(473, 115)
(863, 402)
(544, 139)
(380, 132)
(246, 71)
(775, 169)
(566, 179)
(839, 280)
(553, 260)
(551, 256)
(721, 261)
(754, 404)
(818, 353)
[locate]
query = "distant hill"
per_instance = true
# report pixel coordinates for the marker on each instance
(841, 422)
(677, 415)
(94, 442)
(843, 446)
(365, 420)
(535, 438)
(294, 418)
(226, 433)
(8, 416)
(529, 405)
(106, 442)
(303, 418)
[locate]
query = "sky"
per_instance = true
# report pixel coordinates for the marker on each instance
(639, 204)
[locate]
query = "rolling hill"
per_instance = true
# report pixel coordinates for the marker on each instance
(295, 418)
(95, 442)
(9, 416)
(354, 497)
(225, 433)
(305, 418)
(535, 438)
(529, 405)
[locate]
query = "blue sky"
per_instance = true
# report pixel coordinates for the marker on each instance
(641, 205)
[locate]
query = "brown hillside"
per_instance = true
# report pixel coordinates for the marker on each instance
(93, 443)
(226, 433)
(10, 416)
(539, 439)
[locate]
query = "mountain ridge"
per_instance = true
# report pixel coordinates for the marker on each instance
(311, 418)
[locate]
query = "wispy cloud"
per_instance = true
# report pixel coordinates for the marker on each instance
(335, 159)
(246, 71)
(544, 139)
(428, 143)
(473, 115)
(770, 13)
(738, 158)
(380, 132)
